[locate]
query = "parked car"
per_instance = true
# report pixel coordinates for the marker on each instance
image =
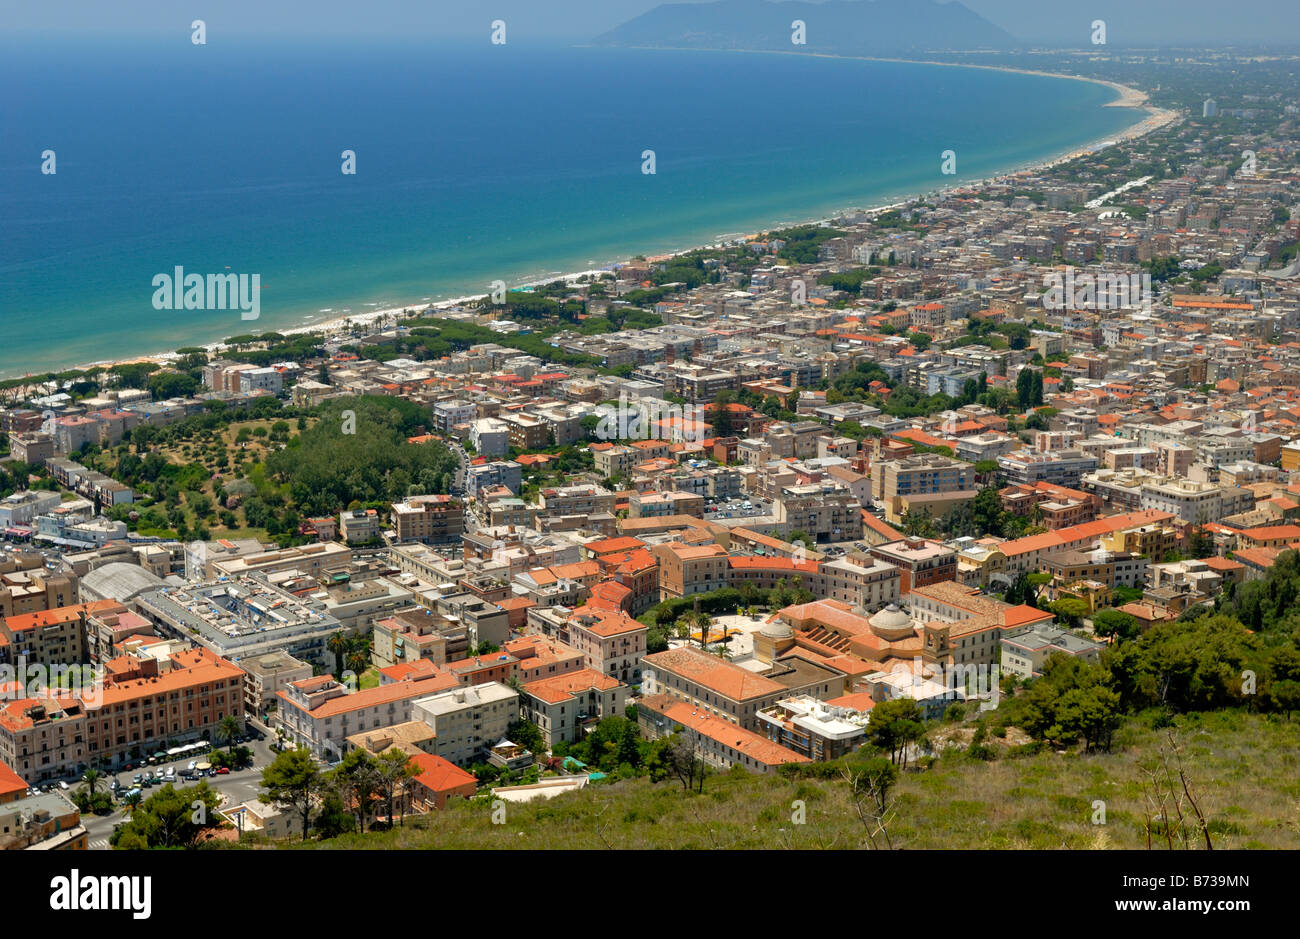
(223, 770)
(137, 778)
(193, 763)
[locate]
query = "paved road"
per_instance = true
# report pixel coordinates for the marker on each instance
(239, 786)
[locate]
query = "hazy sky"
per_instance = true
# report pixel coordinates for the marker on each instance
(1139, 22)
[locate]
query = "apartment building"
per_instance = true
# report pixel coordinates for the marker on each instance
(1195, 502)
(920, 562)
(527, 433)
(917, 475)
(27, 586)
(490, 437)
(320, 714)
(265, 676)
(1059, 467)
(827, 512)
(467, 722)
(433, 519)
(577, 500)
(611, 642)
(53, 637)
(359, 526)
(564, 706)
(661, 504)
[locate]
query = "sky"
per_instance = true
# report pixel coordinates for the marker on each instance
(1057, 22)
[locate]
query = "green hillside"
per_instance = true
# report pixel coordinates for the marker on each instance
(1241, 770)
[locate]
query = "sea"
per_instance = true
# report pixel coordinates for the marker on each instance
(473, 163)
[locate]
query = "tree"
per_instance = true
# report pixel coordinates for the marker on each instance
(338, 645)
(869, 784)
(895, 725)
(1107, 623)
(357, 780)
(684, 763)
(91, 779)
(228, 730)
(527, 735)
(720, 416)
(1069, 610)
(392, 770)
(292, 782)
(172, 818)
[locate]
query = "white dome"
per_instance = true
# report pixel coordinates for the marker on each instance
(891, 623)
(776, 629)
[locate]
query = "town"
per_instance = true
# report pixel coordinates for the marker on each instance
(873, 489)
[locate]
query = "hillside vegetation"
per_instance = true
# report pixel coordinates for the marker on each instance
(1241, 769)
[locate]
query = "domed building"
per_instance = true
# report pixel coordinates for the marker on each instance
(892, 624)
(773, 639)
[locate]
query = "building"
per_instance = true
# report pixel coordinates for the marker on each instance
(437, 519)
(690, 569)
(565, 706)
(53, 637)
(43, 822)
(359, 526)
(920, 562)
(717, 742)
(1026, 650)
(816, 729)
(239, 618)
(265, 676)
(437, 781)
(896, 483)
(321, 713)
(722, 689)
(611, 642)
(466, 722)
(490, 437)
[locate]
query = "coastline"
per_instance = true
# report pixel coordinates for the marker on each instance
(334, 326)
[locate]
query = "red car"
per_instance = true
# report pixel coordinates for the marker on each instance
(223, 770)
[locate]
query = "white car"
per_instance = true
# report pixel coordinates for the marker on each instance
(193, 763)
(63, 785)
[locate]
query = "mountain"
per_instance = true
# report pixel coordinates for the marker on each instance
(844, 27)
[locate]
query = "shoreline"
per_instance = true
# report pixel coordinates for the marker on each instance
(334, 326)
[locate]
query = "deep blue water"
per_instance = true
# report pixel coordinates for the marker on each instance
(472, 164)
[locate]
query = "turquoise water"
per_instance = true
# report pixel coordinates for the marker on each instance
(473, 164)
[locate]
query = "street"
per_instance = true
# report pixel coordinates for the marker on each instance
(237, 787)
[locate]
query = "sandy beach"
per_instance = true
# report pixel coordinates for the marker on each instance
(333, 326)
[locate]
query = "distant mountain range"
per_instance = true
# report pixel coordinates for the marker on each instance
(846, 27)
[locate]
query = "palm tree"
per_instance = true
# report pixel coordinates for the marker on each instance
(228, 730)
(704, 622)
(338, 644)
(356, 662)
(92, 778)
(133, 798)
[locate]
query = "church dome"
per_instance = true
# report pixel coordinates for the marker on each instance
(776, 629)
(891, 623)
